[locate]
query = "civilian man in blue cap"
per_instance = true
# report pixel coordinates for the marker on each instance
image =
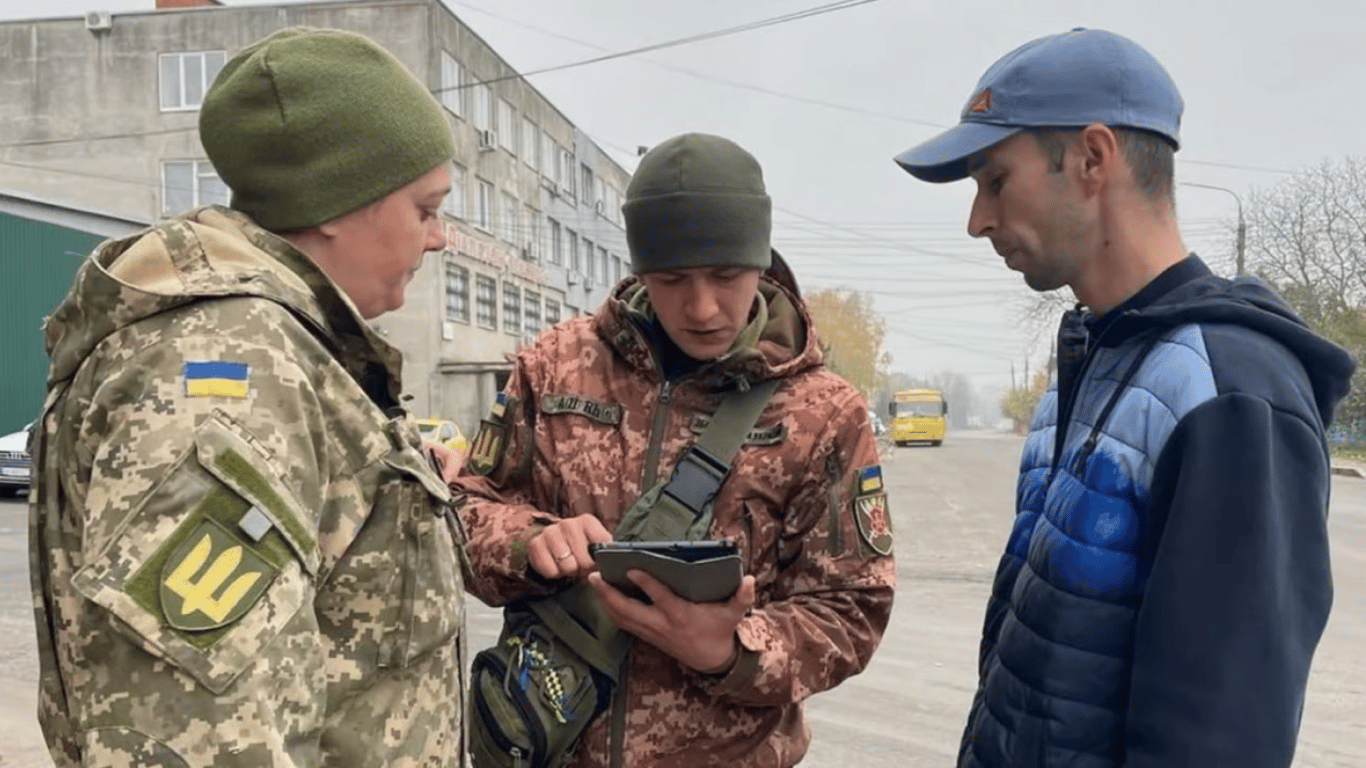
(1167, 579)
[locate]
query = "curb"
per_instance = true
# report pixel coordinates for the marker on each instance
(1348, 471)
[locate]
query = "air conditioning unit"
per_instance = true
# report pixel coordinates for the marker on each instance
(487, 140)
(448, 331)
(529, 252)
(599, 207)
(572, 278)
(98, 21)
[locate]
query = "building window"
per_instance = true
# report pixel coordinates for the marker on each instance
(455, 202)
(483, 214)
(452, 77)
(512, 307)
(531, 235)
(592, 265)
(509, 209)
(587, 187)
(486, 301)
(575, 264)
(556, 249)
(533, 313)
(531, 135)
(483, 107)
(507, 126)
(600, 193)
(457, 292)
(186, 76)
(187, 184)
(567, 172)
(616, 268)
(604, 265)
(550, 153)
(552, 311)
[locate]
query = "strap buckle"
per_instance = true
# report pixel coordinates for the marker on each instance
(696, 479)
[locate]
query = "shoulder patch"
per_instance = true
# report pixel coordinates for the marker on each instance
(601, 412)
(215, 378)
(870, 479)
(486, 450)
(874, 520)
(211, 579)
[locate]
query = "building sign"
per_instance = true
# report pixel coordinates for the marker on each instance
(493, 254)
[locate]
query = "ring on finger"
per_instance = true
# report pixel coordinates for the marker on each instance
(564, 555)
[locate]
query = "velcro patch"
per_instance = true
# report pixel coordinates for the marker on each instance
(215, 378)
(604, 413)
(770, 435)
(874, 520)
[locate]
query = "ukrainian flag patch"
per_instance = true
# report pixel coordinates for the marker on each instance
(500, 404)
(216, 378)
(870, 479)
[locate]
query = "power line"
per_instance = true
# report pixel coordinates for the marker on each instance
(748, 27)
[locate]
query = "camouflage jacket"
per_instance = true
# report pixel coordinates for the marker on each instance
(589, 425)
(238, 559)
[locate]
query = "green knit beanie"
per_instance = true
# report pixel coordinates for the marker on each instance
(308, 124)
(698, 200)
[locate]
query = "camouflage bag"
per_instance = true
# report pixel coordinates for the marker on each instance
(559, 658)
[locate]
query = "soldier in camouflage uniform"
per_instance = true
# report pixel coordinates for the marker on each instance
(599, 407)
(240, 555)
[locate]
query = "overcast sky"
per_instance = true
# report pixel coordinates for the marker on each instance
(1269, 86)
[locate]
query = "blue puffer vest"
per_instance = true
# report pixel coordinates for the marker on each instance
(1059, 628)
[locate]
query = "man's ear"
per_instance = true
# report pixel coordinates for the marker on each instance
(1100, 156)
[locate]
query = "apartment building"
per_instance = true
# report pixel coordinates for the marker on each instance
(100, 112)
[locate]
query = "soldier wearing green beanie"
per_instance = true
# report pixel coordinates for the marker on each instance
(242, 553)
(606, 410)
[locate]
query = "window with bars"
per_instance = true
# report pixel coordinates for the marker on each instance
(486, 301)
(512, 307)
(452, 77)
(457, 292)
(187, 184)
(186, 76)
(533, 312)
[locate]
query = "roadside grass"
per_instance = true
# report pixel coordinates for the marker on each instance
(1353, 452)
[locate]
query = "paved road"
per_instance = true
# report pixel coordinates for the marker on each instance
(951, 507)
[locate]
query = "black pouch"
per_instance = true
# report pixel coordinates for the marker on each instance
(531, 696)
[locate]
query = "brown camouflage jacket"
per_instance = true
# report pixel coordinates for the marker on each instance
(585, 414)
(238, 558)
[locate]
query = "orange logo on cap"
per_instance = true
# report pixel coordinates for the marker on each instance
(983, 103)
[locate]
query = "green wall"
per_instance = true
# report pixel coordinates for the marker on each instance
(37, 263)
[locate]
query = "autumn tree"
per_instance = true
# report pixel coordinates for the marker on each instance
(1018, 403)
(850, 335)
(1307, 238)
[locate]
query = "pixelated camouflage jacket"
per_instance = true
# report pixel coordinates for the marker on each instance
(586, 409)
(238, 558)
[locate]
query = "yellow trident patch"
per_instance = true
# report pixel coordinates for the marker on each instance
(211, 579)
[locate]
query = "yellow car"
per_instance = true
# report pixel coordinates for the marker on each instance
(445, 433)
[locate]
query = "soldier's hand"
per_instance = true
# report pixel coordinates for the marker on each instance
(561, 550)
(700, 635)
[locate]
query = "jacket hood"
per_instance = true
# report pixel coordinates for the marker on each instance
(777, 343)
(1250, 303)
(210, 252)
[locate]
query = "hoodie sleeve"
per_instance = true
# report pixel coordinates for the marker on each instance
(1239, 591)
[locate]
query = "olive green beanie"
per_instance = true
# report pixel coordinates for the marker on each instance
(308, 124)
(698, 200)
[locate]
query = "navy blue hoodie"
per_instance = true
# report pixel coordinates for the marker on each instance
(1167, 578)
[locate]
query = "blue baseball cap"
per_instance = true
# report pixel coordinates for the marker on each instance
(1073, 79)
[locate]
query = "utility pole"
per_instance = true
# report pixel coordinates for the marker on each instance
(1242, 225)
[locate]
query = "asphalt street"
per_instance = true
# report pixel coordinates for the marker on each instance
(951, 508)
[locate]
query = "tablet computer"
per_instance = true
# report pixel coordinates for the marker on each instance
(698, 571)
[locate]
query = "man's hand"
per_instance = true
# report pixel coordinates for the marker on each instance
(561, 550)
(700, 635)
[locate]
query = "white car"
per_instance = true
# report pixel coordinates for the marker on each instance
(15, 463)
